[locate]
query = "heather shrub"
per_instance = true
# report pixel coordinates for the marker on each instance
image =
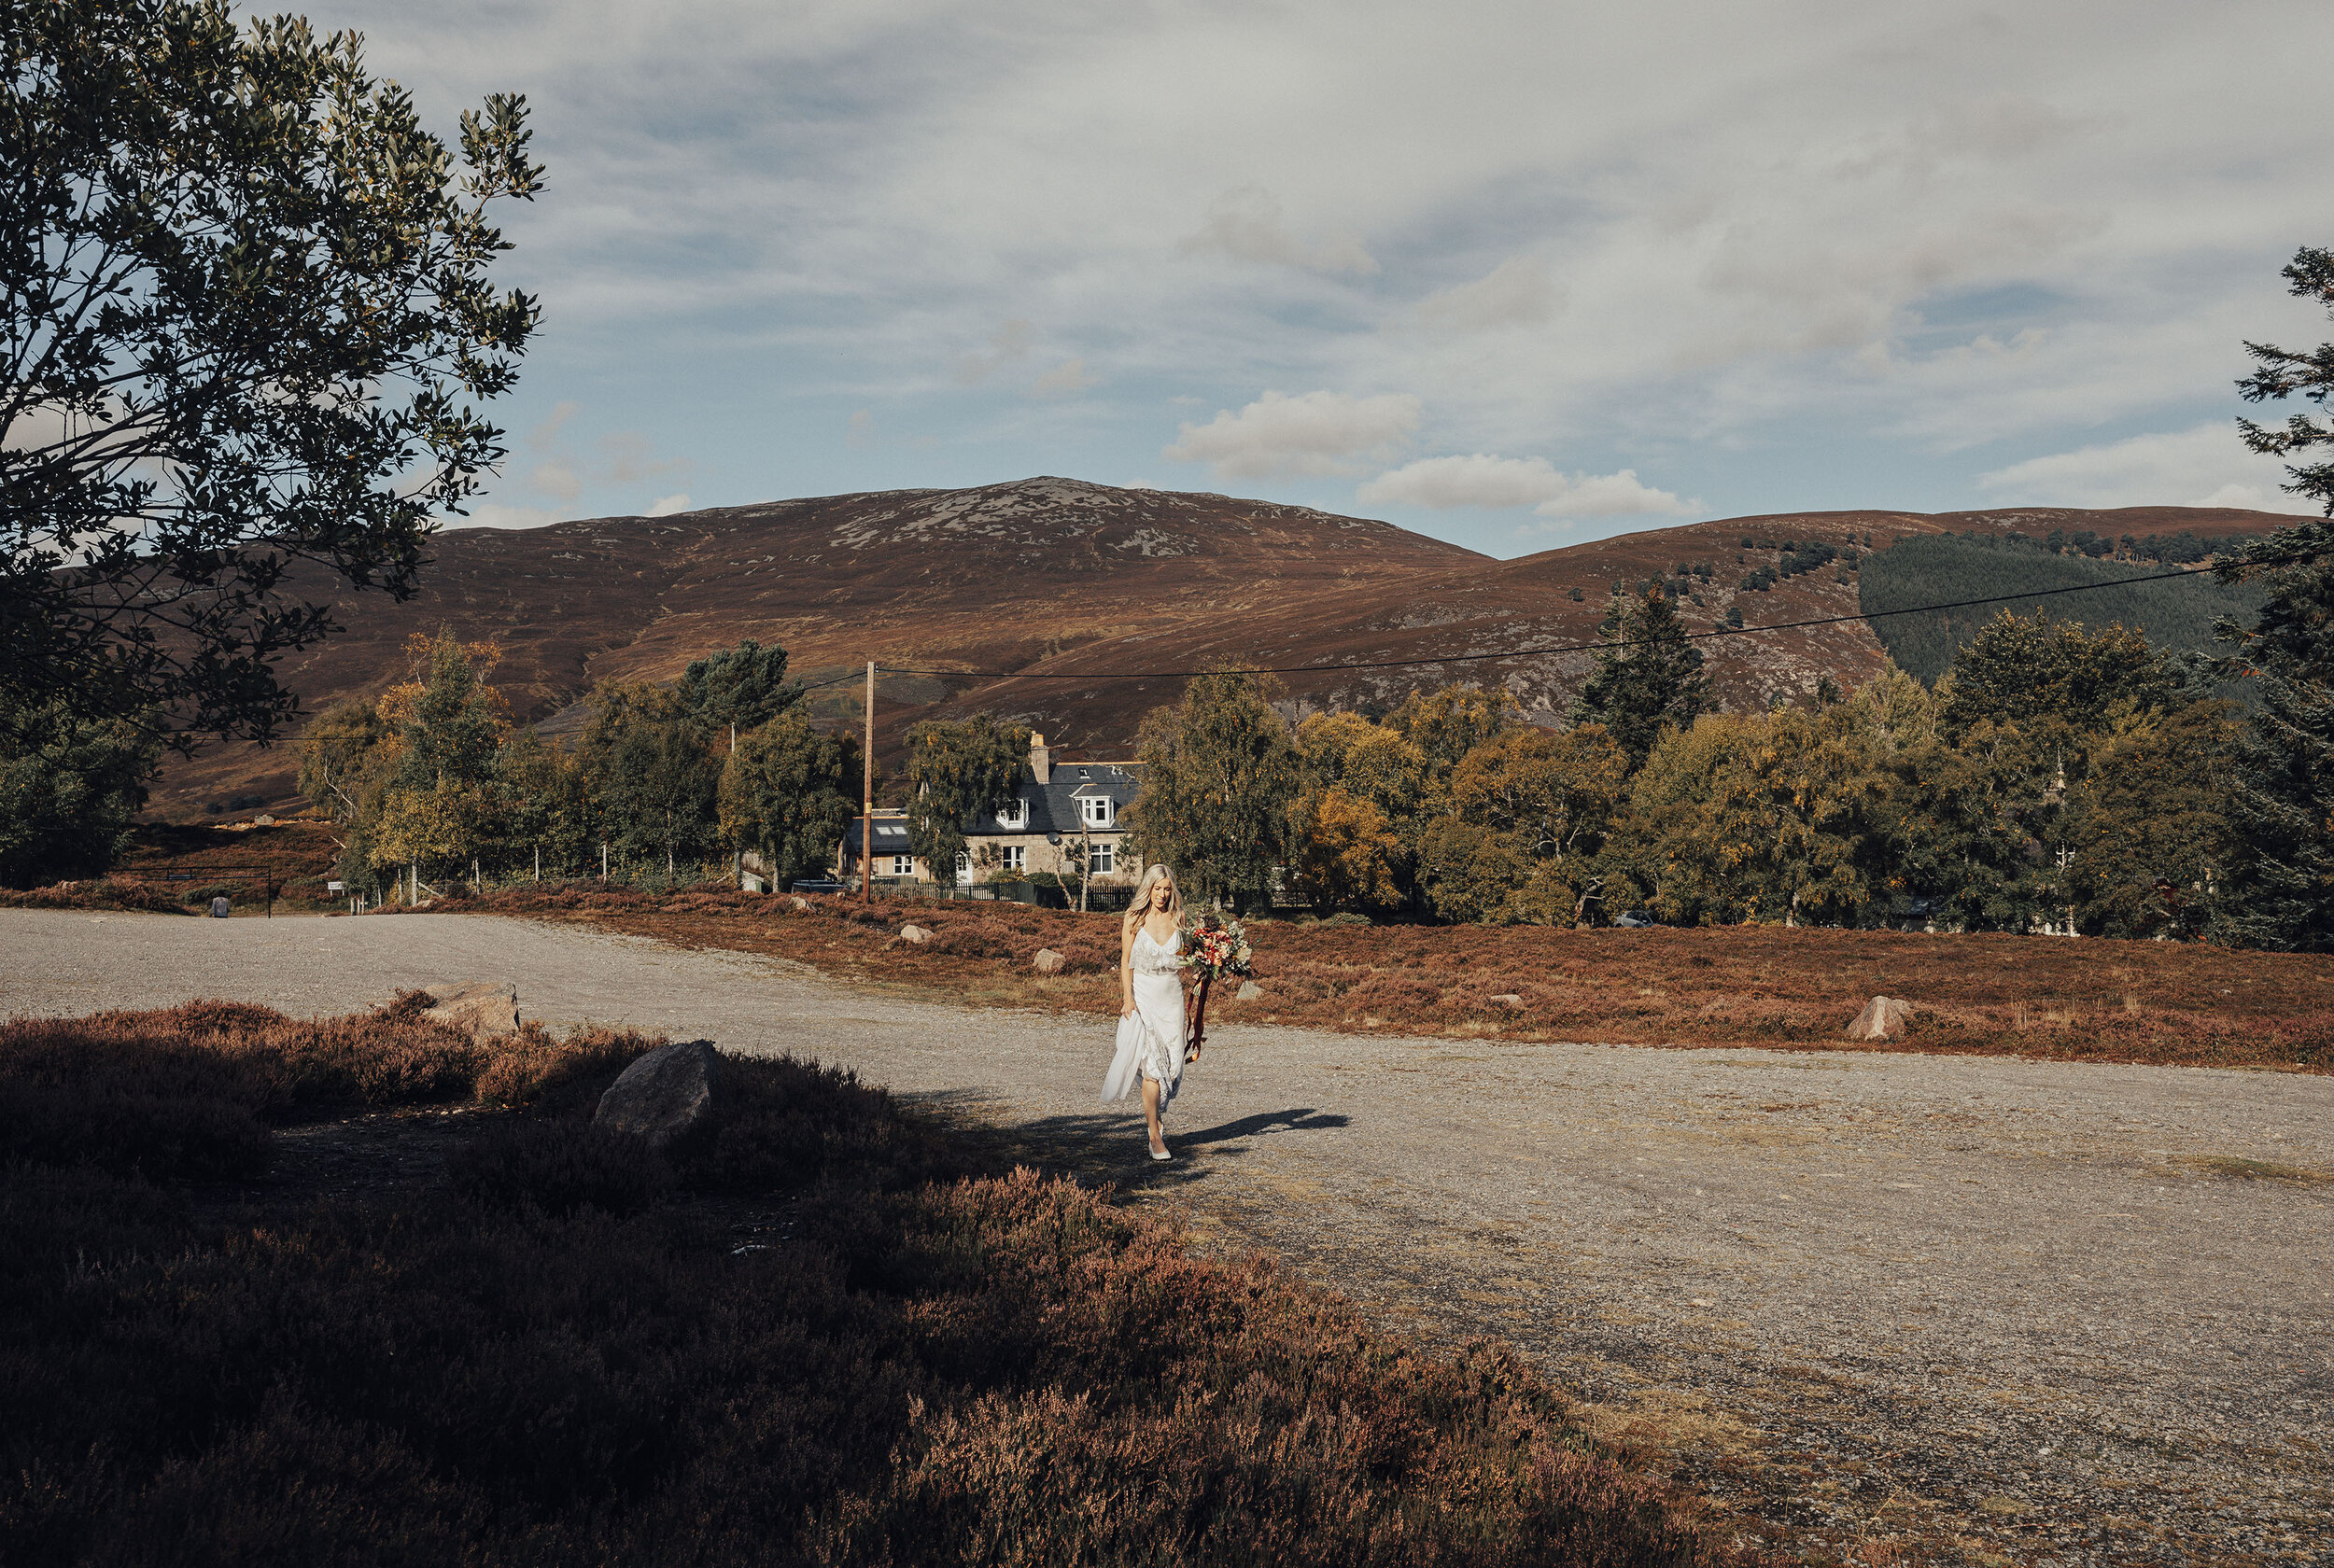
(785, 1123)
(189, 1091)
(535, 1066)
(128, 1132)
(97, 894)
(559, 1167)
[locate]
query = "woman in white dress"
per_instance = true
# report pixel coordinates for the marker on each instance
(1152, 1033)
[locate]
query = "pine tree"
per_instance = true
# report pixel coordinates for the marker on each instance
(1651, 680)
(2282, 785)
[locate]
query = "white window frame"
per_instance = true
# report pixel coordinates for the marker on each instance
(1094, 810)
(903, 865)
(1016, 814)
(1102, 859)
(1015, 857)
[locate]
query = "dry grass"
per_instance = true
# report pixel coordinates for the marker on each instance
(2070, 999)
(561, 1357)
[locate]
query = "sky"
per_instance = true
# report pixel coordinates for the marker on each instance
(1516, 275)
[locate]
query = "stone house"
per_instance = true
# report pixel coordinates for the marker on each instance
(1058, 812)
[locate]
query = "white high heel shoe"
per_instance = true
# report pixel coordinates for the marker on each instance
(1162, 1152)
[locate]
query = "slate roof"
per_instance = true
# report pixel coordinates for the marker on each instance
(1052, 807)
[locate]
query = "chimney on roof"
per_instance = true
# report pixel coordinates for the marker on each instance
(1040, 759)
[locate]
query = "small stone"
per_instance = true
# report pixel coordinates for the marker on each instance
(802, 906)
(915, 936)
(479, 1008)
(1509, 998)
(1249, 991)
(1048, 961)
(1883, 1018)
(664, 1094)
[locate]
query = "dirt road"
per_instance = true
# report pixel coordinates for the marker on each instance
(2054, 1312)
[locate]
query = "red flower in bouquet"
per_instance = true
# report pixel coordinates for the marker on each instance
(1217, 947)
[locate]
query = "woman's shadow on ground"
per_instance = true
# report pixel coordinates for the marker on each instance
(1110, 1146)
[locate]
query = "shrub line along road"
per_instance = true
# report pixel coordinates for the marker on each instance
(2046, 1308)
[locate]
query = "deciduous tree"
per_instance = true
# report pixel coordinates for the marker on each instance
(249, 328)
(788, 792)
(1220, 772)
(954, 772)
(66, 800)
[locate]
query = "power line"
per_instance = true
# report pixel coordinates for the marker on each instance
(1558, 648)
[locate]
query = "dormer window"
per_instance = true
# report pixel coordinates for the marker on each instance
(1094, 810)
(1014, 815)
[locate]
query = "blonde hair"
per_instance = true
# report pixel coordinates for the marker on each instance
(1141, 907)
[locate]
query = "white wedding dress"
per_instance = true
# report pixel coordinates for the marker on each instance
(1151, 1039)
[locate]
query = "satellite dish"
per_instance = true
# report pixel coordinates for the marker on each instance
(1053, 838)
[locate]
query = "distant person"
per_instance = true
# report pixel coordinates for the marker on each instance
(1152, 1031)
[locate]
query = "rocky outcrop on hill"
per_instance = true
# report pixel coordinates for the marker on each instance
(1055, 597)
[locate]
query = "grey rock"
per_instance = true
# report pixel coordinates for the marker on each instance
(219, 907)
(915, 936)
(1249, 991)
(802, 906)
(1509, 998)
(1883, 1018)
(664, 1094)
(482, 1009)
(1048, 961)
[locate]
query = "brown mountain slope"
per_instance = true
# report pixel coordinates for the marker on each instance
(1057, 577)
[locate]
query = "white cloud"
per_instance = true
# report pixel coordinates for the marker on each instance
(664, 506)
(1007, 343)
(1247, 223)
(1500, 484)
(1317, 433)
(1838, 240)
(2205, 465)
(629, 460)
(861, 430)
(1065, 380)
(1517, 292)
(556, 476)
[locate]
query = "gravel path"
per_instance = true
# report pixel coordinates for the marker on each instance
(2027, 1311)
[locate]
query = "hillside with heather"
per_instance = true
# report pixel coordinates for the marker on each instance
(1053, 601)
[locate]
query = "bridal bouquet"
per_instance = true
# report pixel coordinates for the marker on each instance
(1217, 947)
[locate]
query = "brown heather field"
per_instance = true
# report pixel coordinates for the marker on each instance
(555, 1347)
(2063, 999)
(204, 861)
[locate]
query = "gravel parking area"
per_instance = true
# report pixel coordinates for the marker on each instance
(1979, 1308)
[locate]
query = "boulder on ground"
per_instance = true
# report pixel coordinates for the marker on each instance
(1048, 961)
(1509, 998)
(1883, 1018)
(1249, 991)
(664, 1094)
(802, 906)
(915, 936)
(482, 1009)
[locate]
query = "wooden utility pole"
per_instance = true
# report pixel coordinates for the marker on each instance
(866, 821)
